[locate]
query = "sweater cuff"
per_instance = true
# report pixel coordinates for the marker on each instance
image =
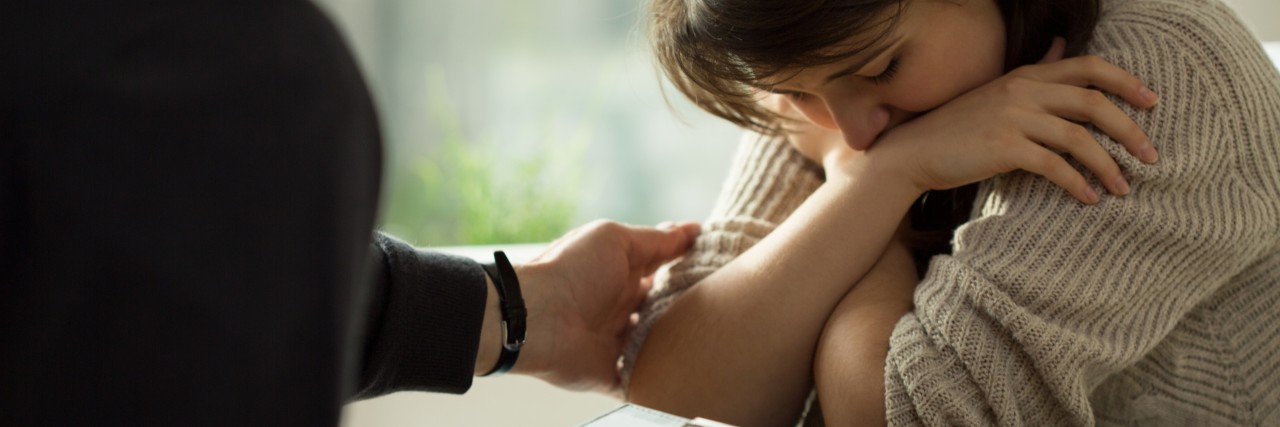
(927, 381)
(432, 311)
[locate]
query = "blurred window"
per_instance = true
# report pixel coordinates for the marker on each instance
(512, 121)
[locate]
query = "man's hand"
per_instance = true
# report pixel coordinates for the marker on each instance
(581, 293)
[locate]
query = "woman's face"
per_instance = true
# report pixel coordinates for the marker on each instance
(939, 50)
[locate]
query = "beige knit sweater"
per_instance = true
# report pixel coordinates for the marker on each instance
(1161, 308)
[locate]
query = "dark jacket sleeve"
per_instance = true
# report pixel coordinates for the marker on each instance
(186, 204)
(187, 195)
(424, 321)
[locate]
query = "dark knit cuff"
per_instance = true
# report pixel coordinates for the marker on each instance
(432, 312)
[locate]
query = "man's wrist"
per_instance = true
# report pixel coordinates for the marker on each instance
(506, 285)
(533, 356)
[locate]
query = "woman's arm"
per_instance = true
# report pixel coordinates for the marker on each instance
(768, 180)
(751, 327)
(848, 368)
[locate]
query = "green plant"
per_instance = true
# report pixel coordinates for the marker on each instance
(466, 191)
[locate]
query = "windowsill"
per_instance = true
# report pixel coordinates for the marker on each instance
(517, 252)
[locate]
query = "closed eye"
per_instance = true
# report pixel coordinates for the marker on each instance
(888, 73)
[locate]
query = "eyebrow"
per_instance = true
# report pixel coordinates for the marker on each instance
(876, 51)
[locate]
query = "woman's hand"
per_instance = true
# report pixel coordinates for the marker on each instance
(1023, 120)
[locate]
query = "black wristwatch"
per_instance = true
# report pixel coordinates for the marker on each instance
(511, 304)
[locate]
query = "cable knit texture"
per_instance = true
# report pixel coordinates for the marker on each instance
(1161, 308)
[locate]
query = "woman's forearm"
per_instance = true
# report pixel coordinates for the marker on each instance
(739, 346)
(848, 369)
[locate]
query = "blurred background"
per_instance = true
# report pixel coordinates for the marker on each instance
(511, 121)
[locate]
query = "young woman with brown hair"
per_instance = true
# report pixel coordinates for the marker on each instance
(1154, 307)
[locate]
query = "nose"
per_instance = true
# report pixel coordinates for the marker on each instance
(860, 120)
(860, 126)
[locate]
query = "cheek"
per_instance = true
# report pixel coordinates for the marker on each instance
(812, 110)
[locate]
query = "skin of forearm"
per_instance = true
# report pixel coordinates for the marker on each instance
(849, 365)
(739, 347)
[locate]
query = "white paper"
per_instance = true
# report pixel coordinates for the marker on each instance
(636, 416)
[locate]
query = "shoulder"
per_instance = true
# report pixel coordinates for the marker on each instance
(768, 179)
(1200, 42)
(1220, 93)
(1185, 17)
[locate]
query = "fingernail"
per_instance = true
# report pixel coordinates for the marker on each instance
(1148, 95)
(1121, 186)
(665, 225)
(1149, 154)
(1090, 196)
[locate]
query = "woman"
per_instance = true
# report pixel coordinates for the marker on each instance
(1156, 307)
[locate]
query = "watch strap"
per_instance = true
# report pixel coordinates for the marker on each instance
(514, 313)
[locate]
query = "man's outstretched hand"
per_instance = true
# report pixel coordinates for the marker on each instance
(581, 293)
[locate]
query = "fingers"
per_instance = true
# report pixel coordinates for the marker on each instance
(646, 285)
(649, 248)
(1086, 105)
(635, 300)
(1093, 71)
(1075, 92)
(1073, 139)
(1040, 161)
(690, 228)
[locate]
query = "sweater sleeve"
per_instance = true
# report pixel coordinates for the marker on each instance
(1044, 298)
(424, 321)
(768, 180)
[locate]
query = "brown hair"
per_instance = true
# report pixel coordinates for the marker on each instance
(719, 52)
